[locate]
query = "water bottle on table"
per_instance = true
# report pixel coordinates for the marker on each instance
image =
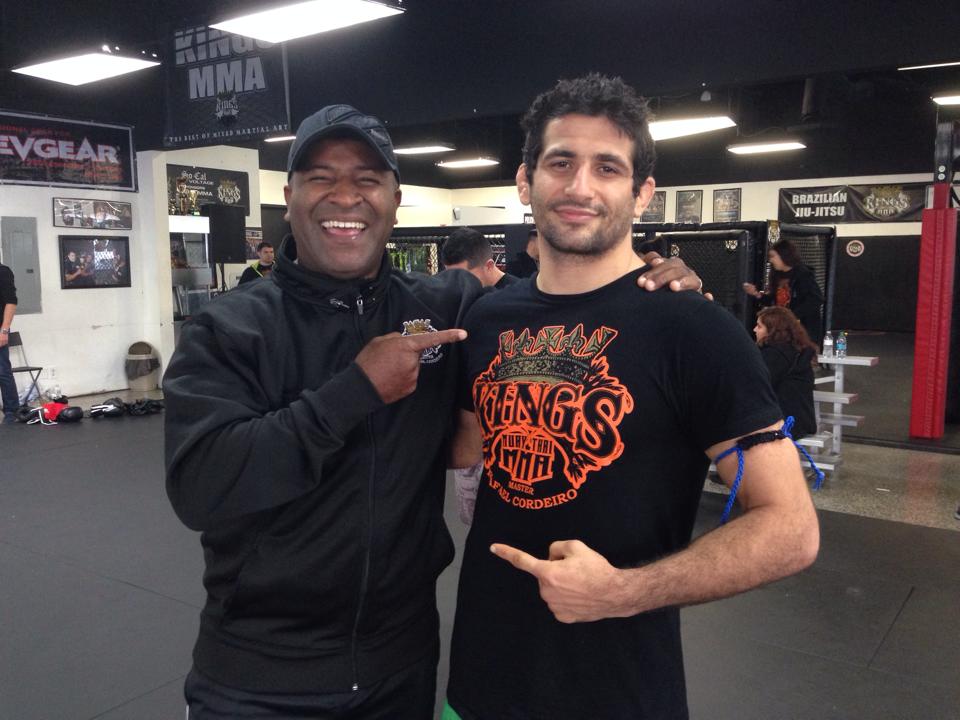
(828, 344)
(842, 344)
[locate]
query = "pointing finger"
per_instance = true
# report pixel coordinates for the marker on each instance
(518, 558)
(423, 341)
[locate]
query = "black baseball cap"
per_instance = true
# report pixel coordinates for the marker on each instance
(342, 120)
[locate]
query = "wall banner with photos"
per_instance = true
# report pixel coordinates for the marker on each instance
(98, 214)
(94, 261)
(190, 188)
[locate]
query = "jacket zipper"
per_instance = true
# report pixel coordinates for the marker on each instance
(365, 575)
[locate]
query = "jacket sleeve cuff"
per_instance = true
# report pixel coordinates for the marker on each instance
(346, 399)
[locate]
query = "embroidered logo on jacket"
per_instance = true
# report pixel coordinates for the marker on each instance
(549, 410)
(418, 327)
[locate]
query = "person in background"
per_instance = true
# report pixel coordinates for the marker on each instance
(468, 249)
(792, 285)
(790, 357)
(8, 308)
(261, 267)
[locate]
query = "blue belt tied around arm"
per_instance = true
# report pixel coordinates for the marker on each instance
(749, 441)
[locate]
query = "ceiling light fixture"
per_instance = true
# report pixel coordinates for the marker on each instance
(280, 138)
(681, 127)
(926, 67)
(422, 149)
(765, 147)
(472, 163)
(947, 99)
(88, 67)
(305, 18)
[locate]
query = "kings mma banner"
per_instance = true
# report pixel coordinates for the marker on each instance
(39, 150)
(223, 88)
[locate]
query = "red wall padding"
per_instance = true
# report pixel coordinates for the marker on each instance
(938, 245)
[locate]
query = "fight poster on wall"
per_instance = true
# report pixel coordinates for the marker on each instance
(898, 202)
(37, 150)
(222, 88)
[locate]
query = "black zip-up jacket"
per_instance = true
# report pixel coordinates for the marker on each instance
(321, 507)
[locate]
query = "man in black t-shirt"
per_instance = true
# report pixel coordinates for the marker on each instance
(468, 249)
(598, 414)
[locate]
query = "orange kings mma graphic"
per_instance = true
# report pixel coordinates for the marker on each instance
(549, 411)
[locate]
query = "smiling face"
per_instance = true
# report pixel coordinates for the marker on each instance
(342, 206)
(582, 188)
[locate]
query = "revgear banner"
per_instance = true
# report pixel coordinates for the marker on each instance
(903, 202)
(222, 88)
(36, 150)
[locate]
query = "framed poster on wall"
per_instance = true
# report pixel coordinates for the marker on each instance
(94, 261)
(726, 205)
(656, 211)
(689, 206)
(97, 214)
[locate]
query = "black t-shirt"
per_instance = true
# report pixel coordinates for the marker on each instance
(596, 410)
(791, 374)
(506, 281)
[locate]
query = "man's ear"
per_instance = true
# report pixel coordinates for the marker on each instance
(644, 196)
(523, 184)
(286, 198)
(398, 196)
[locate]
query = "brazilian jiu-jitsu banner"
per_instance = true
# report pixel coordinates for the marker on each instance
(900, 202)
(38, 150)
(223, 88)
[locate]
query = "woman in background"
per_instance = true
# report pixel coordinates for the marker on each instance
(792, 285)
(790, 356)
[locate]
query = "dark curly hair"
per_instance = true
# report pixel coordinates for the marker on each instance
(593, 95)
(788, 252)
(783, 327)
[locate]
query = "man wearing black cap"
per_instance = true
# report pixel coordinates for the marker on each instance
(322, 552)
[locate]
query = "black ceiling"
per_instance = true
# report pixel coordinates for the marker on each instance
(462, 71)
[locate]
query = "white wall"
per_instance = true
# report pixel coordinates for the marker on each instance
(759, 201)
(81, 337)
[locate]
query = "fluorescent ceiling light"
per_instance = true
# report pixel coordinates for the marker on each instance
(422, 150)
(87, 68)
(947, 100)
(305, 18)
(472, 163)
(935, 65)
(280, 138)
(765, 147)
(666, 129)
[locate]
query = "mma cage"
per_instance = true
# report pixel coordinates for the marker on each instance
(724, 255)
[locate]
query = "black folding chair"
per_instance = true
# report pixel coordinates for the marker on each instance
(32, 370)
